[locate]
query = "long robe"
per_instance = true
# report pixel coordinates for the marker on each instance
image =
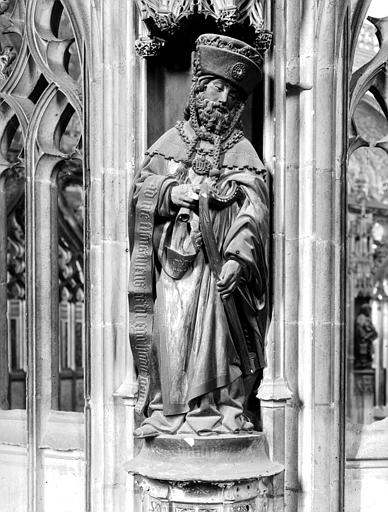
(191, 353)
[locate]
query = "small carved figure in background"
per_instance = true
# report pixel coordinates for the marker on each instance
(198, 296)
(4, 5)
(365, 334)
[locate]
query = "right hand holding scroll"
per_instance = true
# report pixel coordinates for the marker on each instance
(185, 195)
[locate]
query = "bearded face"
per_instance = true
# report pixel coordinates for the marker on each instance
(216, 104)
(212, 115)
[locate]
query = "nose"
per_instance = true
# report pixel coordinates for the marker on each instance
(224, 96)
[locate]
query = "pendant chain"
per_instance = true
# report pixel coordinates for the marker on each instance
(221, 142)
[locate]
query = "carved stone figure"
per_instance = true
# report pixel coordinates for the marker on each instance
(198, 281)
(365, 334)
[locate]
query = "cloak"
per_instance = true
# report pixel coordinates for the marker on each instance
(178, 329)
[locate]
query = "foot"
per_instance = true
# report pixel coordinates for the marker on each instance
(145, 431)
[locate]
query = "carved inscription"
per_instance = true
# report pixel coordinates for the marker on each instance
(243, 508)
(156, 507)
(140, 288)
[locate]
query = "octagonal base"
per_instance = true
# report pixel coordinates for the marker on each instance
(223, 473)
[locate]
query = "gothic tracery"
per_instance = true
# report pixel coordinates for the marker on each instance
(41, 94)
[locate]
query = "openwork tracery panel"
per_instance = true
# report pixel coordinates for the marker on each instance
(367, 358)
(42, 200)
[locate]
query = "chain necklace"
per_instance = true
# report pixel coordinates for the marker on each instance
(201, 164)
(207, 161)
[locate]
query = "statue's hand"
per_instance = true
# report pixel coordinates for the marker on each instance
(185, 195)
(196, 239)
(229, 278)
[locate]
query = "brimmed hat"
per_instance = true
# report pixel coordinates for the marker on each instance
(228, 58)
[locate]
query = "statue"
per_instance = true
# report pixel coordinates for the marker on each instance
(198, 290)
(365, 334)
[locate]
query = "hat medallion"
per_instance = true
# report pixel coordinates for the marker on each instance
(238, 71)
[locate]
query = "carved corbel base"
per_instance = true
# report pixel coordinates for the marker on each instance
(224, 473)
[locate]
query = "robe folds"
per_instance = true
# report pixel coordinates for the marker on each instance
(190, 352)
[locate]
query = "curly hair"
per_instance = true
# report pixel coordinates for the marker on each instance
(199, 85)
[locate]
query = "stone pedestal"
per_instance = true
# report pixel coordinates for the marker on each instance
(224, 473)
(364, 393)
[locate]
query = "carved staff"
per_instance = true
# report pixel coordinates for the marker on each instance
(215, 262)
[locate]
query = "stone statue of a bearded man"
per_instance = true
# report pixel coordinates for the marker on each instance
(198, 281)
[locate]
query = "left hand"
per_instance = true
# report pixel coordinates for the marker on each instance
(185, 195)
(229, 278)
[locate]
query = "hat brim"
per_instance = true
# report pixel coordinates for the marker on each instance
(237, 69)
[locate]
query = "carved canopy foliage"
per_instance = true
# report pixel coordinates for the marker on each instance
(225, 11)
(164, 18)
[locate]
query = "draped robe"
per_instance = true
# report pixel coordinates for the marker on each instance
(191, 353)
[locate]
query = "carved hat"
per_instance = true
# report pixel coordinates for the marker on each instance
(228, 58)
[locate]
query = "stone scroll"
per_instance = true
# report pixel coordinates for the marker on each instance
(141, 303)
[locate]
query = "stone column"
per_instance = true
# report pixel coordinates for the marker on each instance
(320, 142)
(274, 391)
(304, 149)
(113, 124)
(224, 473)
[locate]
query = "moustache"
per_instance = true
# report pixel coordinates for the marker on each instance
(212, 114)
(209, 106)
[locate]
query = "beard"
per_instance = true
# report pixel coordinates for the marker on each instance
(213, 116)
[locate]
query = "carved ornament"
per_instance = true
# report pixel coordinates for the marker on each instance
(243, 508)
(148, 46)
(7, 56)
(164, 18)
(166, 22)
(227, 18)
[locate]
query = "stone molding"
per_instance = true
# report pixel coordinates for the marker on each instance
(222, 473)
